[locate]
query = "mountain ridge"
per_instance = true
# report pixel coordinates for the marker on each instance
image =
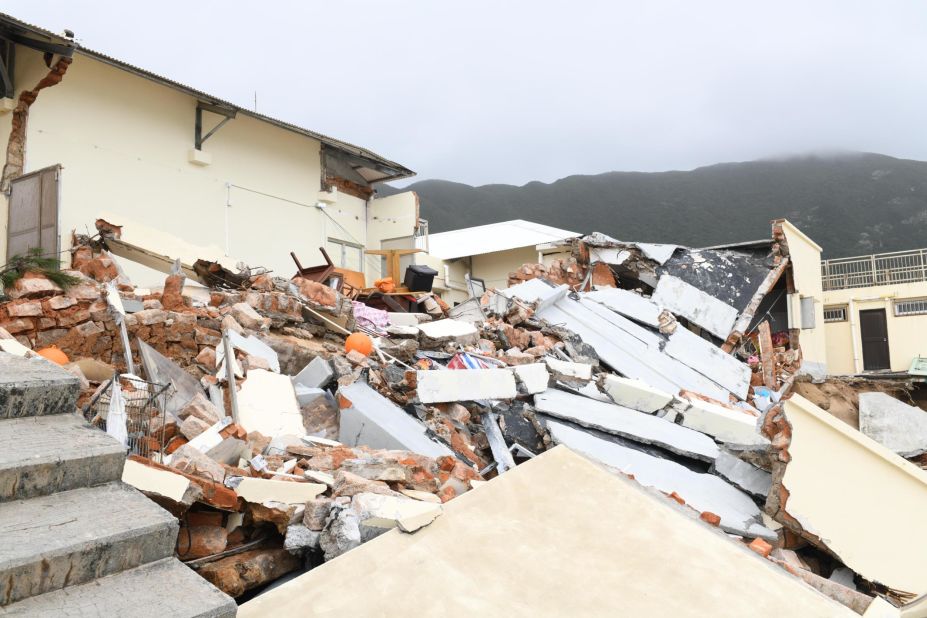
(849, 203)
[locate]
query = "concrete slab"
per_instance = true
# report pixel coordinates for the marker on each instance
(755, 481)
(250, 345)
(391, 512)
(629, 304)
(715, 316)
(534, 377)
(703, 492)
(710, 361)
(566, 369)
(267, 403)
(465, 385)
(288, 492)
(557, 509)
(316, 374)
(445, 331)
(724, 424)
(635, 394)
(156, 481)
(627, 423)
(35, 387)
(630, 349)
(893, 423)
(373, 420)
(163, 370)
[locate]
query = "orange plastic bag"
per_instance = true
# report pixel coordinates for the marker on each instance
(385, 285)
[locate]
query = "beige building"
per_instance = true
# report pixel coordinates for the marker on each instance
(178, 168)
(875, 311)
(487, 253)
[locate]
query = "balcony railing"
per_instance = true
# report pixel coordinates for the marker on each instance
(871, 270)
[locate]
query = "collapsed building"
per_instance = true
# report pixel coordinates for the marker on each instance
(285, 453)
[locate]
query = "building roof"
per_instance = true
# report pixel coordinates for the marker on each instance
(382, 169)
(493, 237)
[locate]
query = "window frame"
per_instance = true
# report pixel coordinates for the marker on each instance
(896, 312)
(844, 309)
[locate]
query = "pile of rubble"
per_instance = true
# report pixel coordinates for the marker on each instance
(302, 445)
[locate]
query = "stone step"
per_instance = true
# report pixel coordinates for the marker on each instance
(42, 455)
(75, 536)
(162, 589)
(35, 387)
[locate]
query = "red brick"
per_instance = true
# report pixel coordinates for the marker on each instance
(710, 518)
(761, 547)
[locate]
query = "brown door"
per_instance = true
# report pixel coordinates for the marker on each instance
(33, 217)
(874, 333)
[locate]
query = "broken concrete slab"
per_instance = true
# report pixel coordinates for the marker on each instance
(497, 445)
(723, 423)
(566, 369)
(162, 370)
(894, 424)
(250, 345)
(630, 349)
(710, 361)
(533, 376)
(627, 423)
(838, 482)
(155, 481)
(635, 394)
(317, 374)
(703, 492)
(370, 419)
(715, 316)
(259, 491)
(391, 512)
(408, 319)
(755, 481)
(513, 520)
(267, 404)
(629, 304)
(449, 331)
(439, 386)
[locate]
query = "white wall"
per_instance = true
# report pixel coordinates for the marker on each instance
(124, 140)
(907, 335)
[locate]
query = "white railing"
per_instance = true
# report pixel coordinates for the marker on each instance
(871, 270)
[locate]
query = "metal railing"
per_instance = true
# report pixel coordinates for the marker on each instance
(871, 270)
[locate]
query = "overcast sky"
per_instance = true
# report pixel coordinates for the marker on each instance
(482, 91)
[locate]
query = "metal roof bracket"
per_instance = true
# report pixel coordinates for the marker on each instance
(198, 137)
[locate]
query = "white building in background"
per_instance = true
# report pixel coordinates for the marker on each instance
(107, 139)
(486, 252)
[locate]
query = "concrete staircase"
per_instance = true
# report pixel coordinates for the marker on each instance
(74, 540)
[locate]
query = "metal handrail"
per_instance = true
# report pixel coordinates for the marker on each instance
(876, 269)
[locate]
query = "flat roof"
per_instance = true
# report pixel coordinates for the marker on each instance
(492, 238)
(392, 171)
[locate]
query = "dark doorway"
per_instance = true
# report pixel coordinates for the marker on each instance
(873, 331)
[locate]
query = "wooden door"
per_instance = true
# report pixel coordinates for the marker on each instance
(874, 332)
(33, 215)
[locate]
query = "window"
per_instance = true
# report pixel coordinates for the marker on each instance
(911, 306)
(835, 314)
(347, 255)
(807, 312)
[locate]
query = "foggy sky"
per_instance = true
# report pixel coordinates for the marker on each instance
(511, 91)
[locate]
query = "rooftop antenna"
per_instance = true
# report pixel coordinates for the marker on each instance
(255, 101)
